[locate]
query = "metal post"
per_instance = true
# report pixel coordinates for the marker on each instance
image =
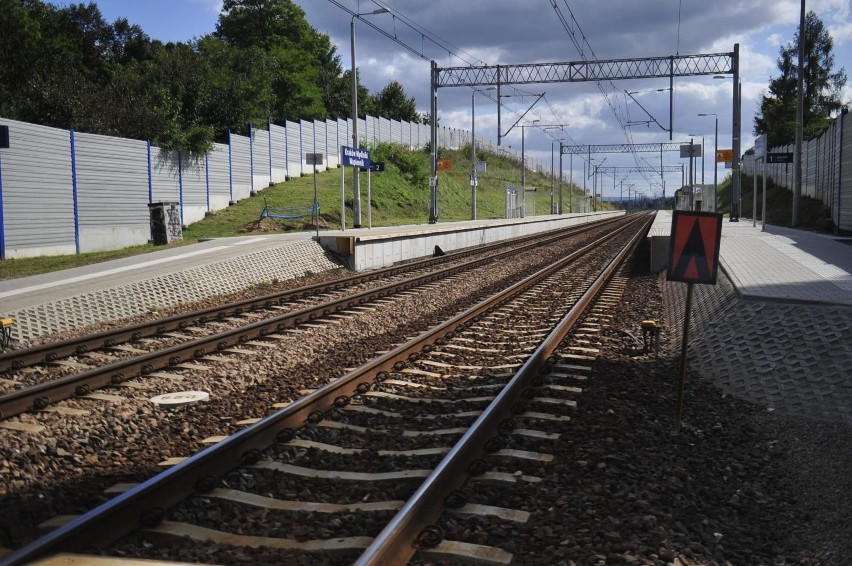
(552, 177)
(523, 162)
(763, 212)
(473, 155)
(683, 347)
(499, 94)
(560, 177)
(356, 201)
(716, 166)
(735, 138)
(570, 181)
(691, 176)
(356, 180)
(342, 197)
(800, 119)
(369, 202)
(316, 201)
(433, 178)
(754, 196)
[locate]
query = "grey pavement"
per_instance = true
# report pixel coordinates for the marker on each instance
(127, 287)
(786, 264)
(776, 330)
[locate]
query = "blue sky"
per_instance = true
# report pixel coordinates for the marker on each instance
(166, 20)
(511, 31)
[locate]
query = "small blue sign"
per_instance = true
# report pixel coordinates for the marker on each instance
(355, 157)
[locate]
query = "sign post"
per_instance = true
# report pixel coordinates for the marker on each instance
(315, 159)
(354, 157)
(693, 258)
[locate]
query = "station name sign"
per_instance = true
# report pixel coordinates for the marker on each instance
(355, 157)
(781, 157)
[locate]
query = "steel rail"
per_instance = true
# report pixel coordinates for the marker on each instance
(144, 505)
(49, 352)
(40, 396)
(399, 540)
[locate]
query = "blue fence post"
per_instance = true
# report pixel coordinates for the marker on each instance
(150, 176)
(286, 153)
(269, 138)
(230, 171)
(301, 150)
(150, 187)
(251, 159)
(74, 194)
(207, 178)
(2, 224)
(180, 185)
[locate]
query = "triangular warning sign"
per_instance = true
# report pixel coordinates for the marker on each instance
(694, 247)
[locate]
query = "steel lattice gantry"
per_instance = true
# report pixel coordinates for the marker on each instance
(641, 169)
(583, 71)
(622, 148)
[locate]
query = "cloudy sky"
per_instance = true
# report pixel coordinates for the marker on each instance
(461, 32)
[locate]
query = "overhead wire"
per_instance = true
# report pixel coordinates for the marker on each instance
(616, 109)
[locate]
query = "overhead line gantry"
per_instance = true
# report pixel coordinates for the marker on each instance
(584, 71)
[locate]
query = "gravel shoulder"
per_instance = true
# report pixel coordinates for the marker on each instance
(737, 484)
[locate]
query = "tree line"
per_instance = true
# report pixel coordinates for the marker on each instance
(67, 67)
(822, 88)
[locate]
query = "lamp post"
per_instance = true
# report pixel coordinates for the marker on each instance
(715, 165)
(595, 184)
(702, 155)
(553, 170)
(523, 158)
(356, 202)
(524, 170)
(474, 179)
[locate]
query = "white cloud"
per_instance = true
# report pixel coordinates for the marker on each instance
(211, 6)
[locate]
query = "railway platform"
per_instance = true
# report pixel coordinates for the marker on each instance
(132, 286)
(777, 328)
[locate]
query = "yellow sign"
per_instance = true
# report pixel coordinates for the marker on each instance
(724, 155)
(444, 165)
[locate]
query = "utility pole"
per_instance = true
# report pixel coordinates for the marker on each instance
(800, 119)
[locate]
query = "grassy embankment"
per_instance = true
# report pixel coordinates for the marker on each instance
(779, 204)
(400, 195)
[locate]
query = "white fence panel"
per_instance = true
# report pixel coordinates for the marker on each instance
(320, 135)
(218, 178)
(240, 168)
(396, 132)
(165, 181)
(37, 192)
(112, 192)
(384, 135)
(362, 133)
(294, 149)
(308, 146)
(278, 136)
(332, 147)
(261, 175)
(193, 178)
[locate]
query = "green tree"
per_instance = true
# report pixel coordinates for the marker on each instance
(392, 103)
(301, 57)
(777, 115)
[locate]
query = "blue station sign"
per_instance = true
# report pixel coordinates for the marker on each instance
(354, 157)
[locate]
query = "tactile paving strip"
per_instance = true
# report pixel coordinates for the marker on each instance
(219, 278)
(787, 357)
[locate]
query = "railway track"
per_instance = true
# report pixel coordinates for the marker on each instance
(420, 420)
(120, 354)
